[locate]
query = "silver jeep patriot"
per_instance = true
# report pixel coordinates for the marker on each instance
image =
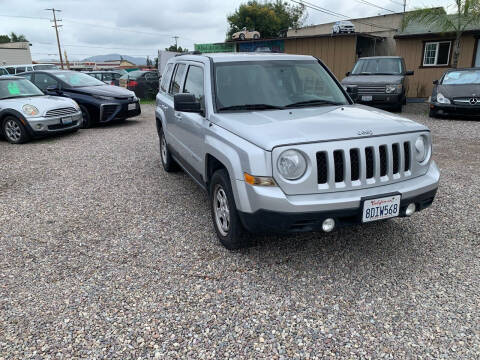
(279, 146)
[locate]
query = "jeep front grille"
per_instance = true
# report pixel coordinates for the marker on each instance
(377, 162)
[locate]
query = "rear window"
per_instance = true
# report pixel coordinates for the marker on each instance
(133, 75)
(45, 67)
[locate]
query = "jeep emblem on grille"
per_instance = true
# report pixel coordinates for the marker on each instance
(365, 132)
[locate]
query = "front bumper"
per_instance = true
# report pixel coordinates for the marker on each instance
(455, 109)
(49, 125)
(381, 100)
(268, 208)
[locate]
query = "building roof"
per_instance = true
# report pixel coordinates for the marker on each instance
(417, 29)
(247, 56)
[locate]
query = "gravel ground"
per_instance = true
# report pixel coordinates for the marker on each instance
(104, 255)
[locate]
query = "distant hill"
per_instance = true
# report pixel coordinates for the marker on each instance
(100, 58)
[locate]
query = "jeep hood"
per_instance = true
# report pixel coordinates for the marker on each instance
(272, 128)
(372, 80)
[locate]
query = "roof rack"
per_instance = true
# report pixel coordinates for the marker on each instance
(196, 52)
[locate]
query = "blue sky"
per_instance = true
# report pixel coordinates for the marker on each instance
(140, 27)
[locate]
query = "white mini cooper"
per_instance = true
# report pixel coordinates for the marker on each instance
(26, 112)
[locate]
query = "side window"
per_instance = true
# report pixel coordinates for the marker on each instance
(20, 69)
(27, 76)
(29, 68)
(151, 76)
(11, 70)
(177, 79)
(167, 73)
(107, 77)
(43, 81)
(194, 84)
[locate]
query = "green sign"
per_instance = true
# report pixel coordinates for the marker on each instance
(219, 47)
(13, 88)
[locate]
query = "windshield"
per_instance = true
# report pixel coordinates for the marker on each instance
(45, 67)
(3, 72)
(462, 77)
(274, 84)
(77, 79)
(14, 88)
(385, 66)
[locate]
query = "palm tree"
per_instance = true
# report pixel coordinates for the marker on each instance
(467, 13)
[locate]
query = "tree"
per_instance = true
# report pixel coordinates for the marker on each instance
(17, 38)
(467, 12)
(4, 39)
(176, 48)
(149, 62)
(269, 18)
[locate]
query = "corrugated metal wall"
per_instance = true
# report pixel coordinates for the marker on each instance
(14, 56)
(411, 49)
(338, 53)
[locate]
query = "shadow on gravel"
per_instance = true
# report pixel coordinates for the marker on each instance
(384, 244)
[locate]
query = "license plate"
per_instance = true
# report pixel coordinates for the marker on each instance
(366, 98)
(381, 208)
(67, 120)
(132, 106)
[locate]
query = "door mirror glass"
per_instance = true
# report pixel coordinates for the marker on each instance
(186, 103)
(435, 82)
(348, 73)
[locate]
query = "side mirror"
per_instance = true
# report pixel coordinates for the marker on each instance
(352, 90)
(53, 88)
(186, 103)
(347, 73)
(435, 82)
(409, 73)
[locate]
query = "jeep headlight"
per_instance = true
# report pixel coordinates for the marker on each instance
(392, 89)
(30, 110)
(291, 164)
(442, 99)
(421, 148)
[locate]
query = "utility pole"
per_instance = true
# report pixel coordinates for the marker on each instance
(56, 30)
(176, 42)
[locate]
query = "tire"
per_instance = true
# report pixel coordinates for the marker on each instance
(14, 131)
(226, 221)
(433, 114)
(398, 108)
(87, 119)
(242, 37)
(256, 36)
(169, 165)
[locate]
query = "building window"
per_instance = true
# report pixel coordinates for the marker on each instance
(437, 53)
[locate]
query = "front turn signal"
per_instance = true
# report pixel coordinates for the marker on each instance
(259, 180)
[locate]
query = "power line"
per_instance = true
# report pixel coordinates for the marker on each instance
(338, 15)
(365, 2)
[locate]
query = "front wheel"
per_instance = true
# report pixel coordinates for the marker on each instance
(242, 36)
(225, 217)
(14, 131)
(86, 118)
(433, 114)
(169, 165)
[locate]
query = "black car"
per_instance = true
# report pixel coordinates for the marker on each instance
(456, 93)
(108, 77)
(100, 103)
(143, 83)
(379, 81)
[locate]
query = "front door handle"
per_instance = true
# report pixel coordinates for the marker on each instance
(178, 115)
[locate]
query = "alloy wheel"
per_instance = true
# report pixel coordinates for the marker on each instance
(12, 130)
(221, 210)
(163, 149)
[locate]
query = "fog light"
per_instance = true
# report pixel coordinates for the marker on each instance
(328, 225)
(39, 126)
(410, 209)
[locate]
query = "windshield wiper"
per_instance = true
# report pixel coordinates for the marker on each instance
(252, 107)
(20, 96)
(314, 102)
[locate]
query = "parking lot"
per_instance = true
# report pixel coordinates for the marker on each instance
(104, 255)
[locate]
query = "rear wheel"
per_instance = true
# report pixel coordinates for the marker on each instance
(14, 131)
(242, 36)
(225, 217)
(256, 36)
(86, 118)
